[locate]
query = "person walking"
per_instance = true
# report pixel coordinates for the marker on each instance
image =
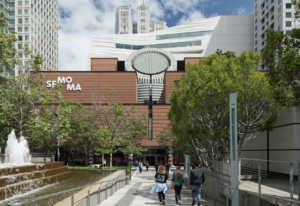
(161, 186)
(104, 163)
(156, 167)
(196, 181)
(141, 167)
(136, 164)
(168, 167)
(178, 179)
(147, 165)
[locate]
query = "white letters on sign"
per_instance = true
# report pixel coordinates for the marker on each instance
(63, 80)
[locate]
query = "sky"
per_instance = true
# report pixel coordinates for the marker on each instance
(81, 19)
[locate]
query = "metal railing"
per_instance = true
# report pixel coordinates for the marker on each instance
(275, 198)
(109, 185)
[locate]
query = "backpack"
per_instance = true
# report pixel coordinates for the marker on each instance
(147, 164)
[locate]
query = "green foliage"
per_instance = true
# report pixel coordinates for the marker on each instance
(166, 139)
(281, 58)
(101, 168)
(8, 57)
(199, 112)
(120, 125)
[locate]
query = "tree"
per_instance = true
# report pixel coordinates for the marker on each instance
(199, 112)
(282, 61)
(82, 134)
(167, 139)
(123, 126)
(8, 53)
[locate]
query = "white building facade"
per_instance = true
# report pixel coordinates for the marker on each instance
(271, 14)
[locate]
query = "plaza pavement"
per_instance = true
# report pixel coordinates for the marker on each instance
(137, 193)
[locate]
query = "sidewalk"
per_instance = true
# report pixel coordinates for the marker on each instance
(137, 193)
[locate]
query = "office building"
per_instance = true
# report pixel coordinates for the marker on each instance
(124, 24)
(271, 14)
(36, 24)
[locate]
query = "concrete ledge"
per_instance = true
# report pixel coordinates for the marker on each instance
(94, 195)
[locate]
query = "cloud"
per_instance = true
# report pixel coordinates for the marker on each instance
(240, 11)
(80, 19)
(214, 15)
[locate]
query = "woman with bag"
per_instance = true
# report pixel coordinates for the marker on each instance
(177, 182)
(161, 186)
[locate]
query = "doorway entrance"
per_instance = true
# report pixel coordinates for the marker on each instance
(150, 159)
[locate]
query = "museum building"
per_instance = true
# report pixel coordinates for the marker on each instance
(110, 60)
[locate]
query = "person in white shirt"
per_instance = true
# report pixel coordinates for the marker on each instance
(104, 163)
(141, 167)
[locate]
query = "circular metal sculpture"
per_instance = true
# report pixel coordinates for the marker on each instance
(151, 63)
(148, 63)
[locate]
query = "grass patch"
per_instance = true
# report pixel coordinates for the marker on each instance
(101, 168)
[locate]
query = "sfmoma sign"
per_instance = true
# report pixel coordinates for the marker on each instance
(64, 80)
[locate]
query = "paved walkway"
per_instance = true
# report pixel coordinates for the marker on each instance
(137, 193)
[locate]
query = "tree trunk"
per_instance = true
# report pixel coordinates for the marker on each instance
(86, 158)
(110, 161)
(242, 141)
(73, 162)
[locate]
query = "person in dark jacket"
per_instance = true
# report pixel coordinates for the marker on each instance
(156, 167)
(197, 179)
(168, 167)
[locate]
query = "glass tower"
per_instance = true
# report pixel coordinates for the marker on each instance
(36, 24)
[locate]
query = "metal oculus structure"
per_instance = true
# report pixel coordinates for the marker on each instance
(150, 62)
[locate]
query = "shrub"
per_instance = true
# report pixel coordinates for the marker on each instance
(101, 168)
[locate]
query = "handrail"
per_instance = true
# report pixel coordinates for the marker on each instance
(265, 160)
(14, 203)
(245, 166)
(271, 196)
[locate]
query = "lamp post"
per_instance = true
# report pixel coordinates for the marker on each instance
(130, 160)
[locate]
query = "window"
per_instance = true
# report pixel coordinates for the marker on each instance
(26, 20)
(256, 42)
(255, 28)
(256, 49)
(255, 21)
(26, 12)
(288, 14)
(20, 20)
(26, 38)
(20, 3)
(288, 23)
(288, 5)
(170, 45)
(19, 46)
(19, 11)
(20, 38)
(20, 55)
(19, 29)
(26, 29)
(26, 3)
(279, 1)
(256, 35)
(11, 21)
(11, 13)
(288, 32)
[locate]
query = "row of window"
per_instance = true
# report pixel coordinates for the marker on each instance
(184, 35)
(159, 46)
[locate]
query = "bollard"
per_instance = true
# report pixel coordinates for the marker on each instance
(106, 190)
(72, 201)
(227, 203)
(259, 177)
(291, 182)
(99, 200)
(88, 199)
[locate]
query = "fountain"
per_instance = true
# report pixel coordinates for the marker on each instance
(18, 175)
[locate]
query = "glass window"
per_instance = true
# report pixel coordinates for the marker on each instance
(26, 29)
(26, 3)
(20, 3)
(19, 11)
(184, 35)
(19, 29)
(20, 20)
(26, 12)
(11, 13)
(11, 4)
(11, 21)
(288, 14)
(288, 5)
(279, 1)
(19, 46)
(288, 32)
(20, 55)
(20, 38)
(288, 23)
(26, 38)
(171, 45)
(26, 20)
